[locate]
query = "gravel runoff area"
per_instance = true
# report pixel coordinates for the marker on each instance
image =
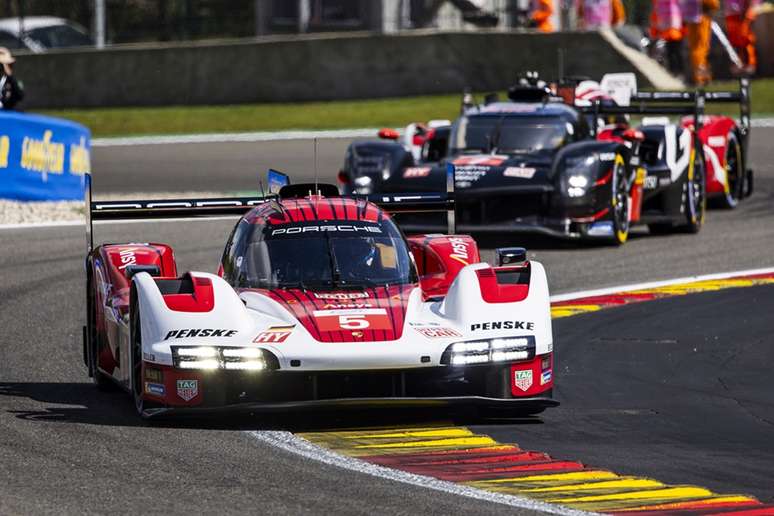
(44, 212)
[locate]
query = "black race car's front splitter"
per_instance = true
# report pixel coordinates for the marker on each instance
(516, 405)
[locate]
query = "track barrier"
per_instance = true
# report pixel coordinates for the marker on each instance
(42, 158)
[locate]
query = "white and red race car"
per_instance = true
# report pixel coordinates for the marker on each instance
(319, 301)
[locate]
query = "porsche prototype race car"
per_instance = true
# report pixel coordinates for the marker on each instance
(542, 163)
(318, 301)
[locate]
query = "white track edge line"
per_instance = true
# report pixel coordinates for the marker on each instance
(655, 284)
(300, 446)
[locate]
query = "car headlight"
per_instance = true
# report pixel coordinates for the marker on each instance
(578, 173)
(363, 185)
(232, 358)
(509, 349)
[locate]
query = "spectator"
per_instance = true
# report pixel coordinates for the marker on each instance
(697, 15)
(10, 90)
(619, 13)
(540, 15)
(739, 17)
(666, 24)
(594, 14)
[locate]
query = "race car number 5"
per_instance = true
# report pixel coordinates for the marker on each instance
(353, 319)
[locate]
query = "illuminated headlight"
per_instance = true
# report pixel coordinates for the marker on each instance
(578, 181)
(578, 173)
(363, 185)
(231, 358)
(490, 351)
(209, 363)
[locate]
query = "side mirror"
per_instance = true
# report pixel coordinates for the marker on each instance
(153, 270)
(510, 256)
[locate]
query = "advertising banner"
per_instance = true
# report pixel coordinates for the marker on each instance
(42, 158)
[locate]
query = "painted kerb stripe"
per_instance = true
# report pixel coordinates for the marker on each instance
(456, 460)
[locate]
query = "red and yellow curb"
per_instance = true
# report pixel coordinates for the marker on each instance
(459, 455)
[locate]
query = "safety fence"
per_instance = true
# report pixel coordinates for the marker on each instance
(42, 158)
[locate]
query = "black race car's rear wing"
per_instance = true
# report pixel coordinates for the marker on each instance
(279, 187)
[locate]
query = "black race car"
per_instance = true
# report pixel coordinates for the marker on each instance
(535, 163)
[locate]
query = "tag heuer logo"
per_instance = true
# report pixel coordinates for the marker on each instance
(188, 389)
(521, 379)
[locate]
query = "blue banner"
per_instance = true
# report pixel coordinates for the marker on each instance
(42, 158)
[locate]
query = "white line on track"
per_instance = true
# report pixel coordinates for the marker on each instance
(264, 136)
(268, 136)
(299, 446)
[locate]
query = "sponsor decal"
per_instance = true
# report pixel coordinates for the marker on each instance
(503, 325)
(460, 248)
(489, 160)
(438, 333)
(341, 306)
(650, 183)
(545, 377)
(520, 172)
(604, 228)
(127, 258)
(154, 375)
(157, 389)
(199, 332)
(470, 173)
(355, 319)
(716, 141)
(274, 335)
(148, 356)
(344, 228)
(413, 172)
(421, 324)
(341, 295)
(523, 379)
(187, 389)
(664, 181)
(606, 156)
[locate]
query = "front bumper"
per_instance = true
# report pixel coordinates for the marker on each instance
(524, 385)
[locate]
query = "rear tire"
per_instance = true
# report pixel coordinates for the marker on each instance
(94, 339)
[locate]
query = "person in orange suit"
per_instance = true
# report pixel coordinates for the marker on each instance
(697, 15)
(739, 17)
(540, 15)
(619, 13)
(666, 24)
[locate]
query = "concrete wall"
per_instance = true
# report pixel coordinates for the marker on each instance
(320, 67)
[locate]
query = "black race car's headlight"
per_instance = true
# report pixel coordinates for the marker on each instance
(579, 175)
(471, 352)
(230, 358)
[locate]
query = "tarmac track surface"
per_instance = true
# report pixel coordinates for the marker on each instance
(636, 397)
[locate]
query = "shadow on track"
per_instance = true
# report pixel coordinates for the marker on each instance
(83, 403)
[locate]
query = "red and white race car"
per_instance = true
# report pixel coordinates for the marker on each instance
(320, 301)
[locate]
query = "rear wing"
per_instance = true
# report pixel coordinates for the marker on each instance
(742, 97)
(238, 206)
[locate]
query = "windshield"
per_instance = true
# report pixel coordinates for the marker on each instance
(509, 134)
(324, 255)
(59, 36)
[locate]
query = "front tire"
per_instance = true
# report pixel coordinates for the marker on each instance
(135, 339)
(695, 196)
(735, 174)
(619, 201)
(94, 339)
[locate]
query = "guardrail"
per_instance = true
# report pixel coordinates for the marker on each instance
(42, 158)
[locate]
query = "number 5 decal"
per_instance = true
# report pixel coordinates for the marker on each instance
(353, 319)
(353, 322)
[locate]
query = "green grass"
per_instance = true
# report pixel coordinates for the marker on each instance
(393, 112)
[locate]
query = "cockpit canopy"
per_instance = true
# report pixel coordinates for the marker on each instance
(323, 254)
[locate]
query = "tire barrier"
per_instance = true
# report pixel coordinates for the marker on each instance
(42, 158)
